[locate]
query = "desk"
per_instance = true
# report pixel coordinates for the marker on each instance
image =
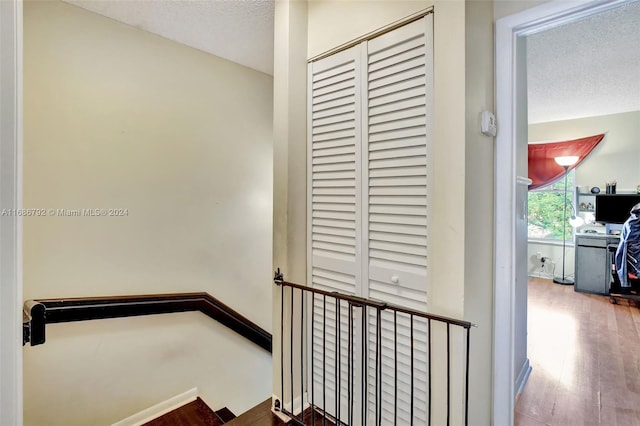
(593, 263)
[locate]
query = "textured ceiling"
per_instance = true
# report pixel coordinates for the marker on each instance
(582, 69)
(237, 30)
(586, 68)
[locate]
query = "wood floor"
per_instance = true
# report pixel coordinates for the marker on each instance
(585, 354)
(261, 415)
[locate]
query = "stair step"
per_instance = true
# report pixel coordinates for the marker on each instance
(261, 415)
(195, 413)
(225, 414)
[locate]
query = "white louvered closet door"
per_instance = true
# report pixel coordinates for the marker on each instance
(334, 163)
(396, 176)
(369, 197)
(397, 187)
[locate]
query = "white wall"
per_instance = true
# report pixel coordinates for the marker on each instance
(554, 253)
(119, 118)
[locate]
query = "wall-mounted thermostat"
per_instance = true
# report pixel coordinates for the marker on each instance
(488, 124)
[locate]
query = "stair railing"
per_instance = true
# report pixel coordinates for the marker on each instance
(346, 360)
(38, 313)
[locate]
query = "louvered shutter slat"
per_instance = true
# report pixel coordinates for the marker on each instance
(395, 97)
(412, 49)
(400, 133)
(391, 115)
(399, 87)
(337, 150)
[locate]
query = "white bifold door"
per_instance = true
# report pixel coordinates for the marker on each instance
(369, 167)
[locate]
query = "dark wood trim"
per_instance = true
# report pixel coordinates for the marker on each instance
(49, 311)
(360, 301)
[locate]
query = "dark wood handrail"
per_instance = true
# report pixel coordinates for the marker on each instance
(40, 312)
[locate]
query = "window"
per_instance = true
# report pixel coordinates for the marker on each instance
(546, 210)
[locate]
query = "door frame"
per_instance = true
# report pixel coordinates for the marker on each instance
(11, 402)
(511, 116)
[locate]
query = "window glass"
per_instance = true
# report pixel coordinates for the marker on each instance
(546, 210)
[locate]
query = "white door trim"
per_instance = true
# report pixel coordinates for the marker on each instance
(10, 223)
(509, 104)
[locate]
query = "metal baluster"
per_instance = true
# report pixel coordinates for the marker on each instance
(378, 367)
(364, 364)
(429, 370)
(324, 360)
(365, 381)
(411, 337)
(395, 367)
(301, 354)
(350, 366)
(466, 384)
(448, 376)
(338, 361)
(291, 333)
(282, 345)
(313, 382)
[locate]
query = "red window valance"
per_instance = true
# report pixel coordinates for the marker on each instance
(544, 170)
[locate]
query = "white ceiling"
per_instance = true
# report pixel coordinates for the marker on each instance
(240, 31)
(586, 68)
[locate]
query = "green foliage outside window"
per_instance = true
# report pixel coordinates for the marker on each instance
(546, 209)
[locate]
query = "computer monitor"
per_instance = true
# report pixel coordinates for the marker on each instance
(615, 208)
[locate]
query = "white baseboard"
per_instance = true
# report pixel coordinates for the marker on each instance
(525, 371)
(158, 410)
(537, 274)
(299, 405)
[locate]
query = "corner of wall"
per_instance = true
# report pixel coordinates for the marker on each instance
(290, 152)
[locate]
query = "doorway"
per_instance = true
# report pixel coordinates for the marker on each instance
(511, 190)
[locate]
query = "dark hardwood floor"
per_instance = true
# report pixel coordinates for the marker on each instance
(261, 415)
(585, 355)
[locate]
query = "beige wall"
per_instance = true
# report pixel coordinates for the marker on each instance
(119, 118)
(289, 157)
(479, 188)
(615, 158)
(447, 235)
(335, 22)
(503, 8)
(101, 372)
